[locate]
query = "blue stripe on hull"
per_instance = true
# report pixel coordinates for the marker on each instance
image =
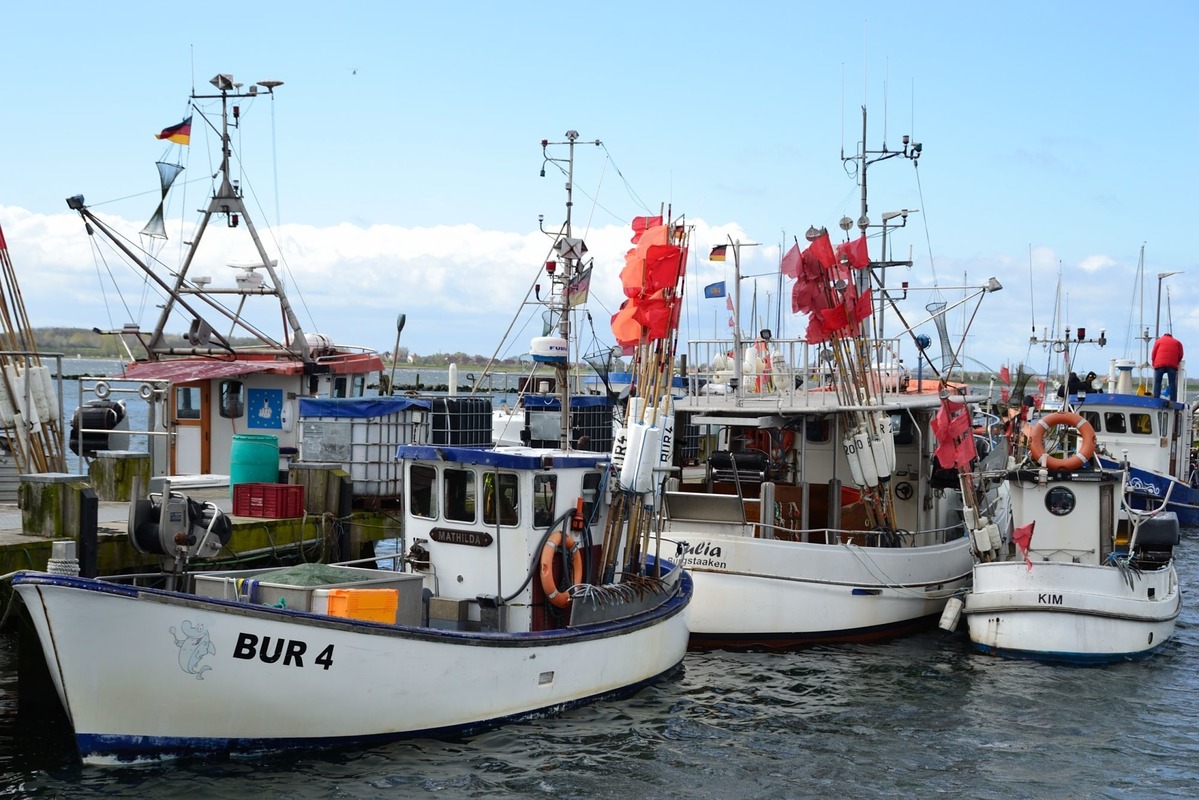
(796, 640)
(1077, 659)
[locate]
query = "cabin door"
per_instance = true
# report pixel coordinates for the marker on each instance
(190, 420)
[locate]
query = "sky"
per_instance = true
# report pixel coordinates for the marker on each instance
(396, 169)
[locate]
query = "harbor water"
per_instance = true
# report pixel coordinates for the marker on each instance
(921, 716)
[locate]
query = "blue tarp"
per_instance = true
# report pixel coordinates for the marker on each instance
(576, 401)
(358, 407)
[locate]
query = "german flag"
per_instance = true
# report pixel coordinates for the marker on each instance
(179, 134)
(717, 253)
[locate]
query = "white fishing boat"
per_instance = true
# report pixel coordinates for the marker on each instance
(515, 593)
(816, 511)
(1150, 436)
(229, 377)
(1087, 579)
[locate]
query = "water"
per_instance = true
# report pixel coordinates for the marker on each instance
(920, 716)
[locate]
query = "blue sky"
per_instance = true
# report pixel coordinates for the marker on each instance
(398, 164)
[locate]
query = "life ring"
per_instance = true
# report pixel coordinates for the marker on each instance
(548, 553)
(1086, 447)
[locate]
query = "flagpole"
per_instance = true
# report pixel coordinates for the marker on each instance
(737, 366)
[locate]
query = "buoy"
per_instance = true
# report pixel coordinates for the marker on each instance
(951, 615)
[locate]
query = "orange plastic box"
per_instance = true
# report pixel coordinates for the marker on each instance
(372, 605)
(273, 500)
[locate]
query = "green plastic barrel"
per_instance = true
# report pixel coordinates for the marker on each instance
(253, 459)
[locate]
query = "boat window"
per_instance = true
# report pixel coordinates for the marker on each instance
(508, 492)
(1163, 423)
(187, 402)
(903, 428)
(1115, 422)
(232, 403)
(545, 488)
(459, 494)
(339, 386)
(1141, 423)
(591, 482)
(421, 497)
(358, 388)
(817, 430)
(1093, 418)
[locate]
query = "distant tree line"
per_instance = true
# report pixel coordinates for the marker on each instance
(89, 344)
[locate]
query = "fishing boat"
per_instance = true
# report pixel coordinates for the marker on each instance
(228, 375)
(515, 593)
(817, 510)
(1151, 437)
(1150, 434)
(1087, 578)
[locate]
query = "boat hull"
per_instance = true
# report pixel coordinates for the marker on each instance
(1148, 489)
(1077, 613)
(766, 593)
(146, 673)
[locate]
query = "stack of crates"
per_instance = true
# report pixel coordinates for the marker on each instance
(590, 422)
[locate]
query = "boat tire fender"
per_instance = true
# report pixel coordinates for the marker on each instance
(548, 553)
(1086, 447)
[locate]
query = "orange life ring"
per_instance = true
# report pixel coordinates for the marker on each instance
(548, 553)
(1086, 447)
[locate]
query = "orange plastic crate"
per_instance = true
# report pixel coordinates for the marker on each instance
(373, 605)
(273, 500)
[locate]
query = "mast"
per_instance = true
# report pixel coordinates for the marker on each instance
(570, 253)
(226, 200)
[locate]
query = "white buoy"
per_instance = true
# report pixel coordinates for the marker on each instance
(452, 387)
(951, 615)
(861, 438)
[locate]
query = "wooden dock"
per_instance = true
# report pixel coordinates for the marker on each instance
(319, 536)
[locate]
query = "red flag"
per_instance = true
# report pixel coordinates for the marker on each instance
(1022, 536)
(834, 319)
(1004, 395)
(955, 436)
(822, 250)
(1004, 375)
(790, 265)
(662, 265)
(862, 308)
(625, 328)
(632, 277)
(858, 253)
(655, 314)
(642, 224)
(1040, 388)
(815, 333)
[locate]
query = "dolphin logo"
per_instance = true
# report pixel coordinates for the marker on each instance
(193, 645)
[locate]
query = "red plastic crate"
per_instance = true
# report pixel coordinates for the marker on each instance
(274, 500)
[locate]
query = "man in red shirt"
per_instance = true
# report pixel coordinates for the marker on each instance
(1166, 356)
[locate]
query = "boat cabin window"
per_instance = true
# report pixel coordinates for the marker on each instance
(233, 404)
(509, 489)
(459, 494)
(591, 482)
(817, 430)
(1141, 423)
(187, 402)
(339, 386)
(422, 500)
(904, 428)
(358, 386)
(1093, 418)
(1114, 422)
(545, 489)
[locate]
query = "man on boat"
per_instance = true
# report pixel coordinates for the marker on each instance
(1166, 356)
